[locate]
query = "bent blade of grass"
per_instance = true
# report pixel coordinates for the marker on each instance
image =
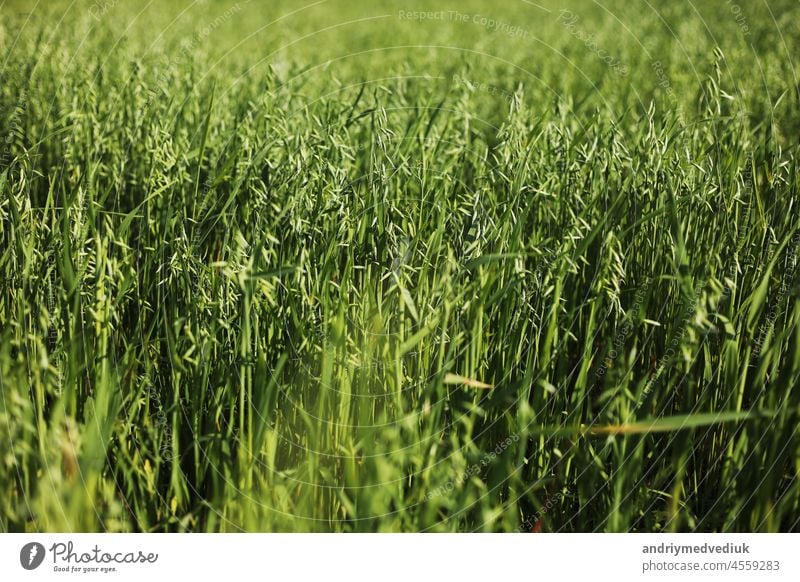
(653, 425)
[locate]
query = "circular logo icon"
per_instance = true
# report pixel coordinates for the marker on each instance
(31, 555)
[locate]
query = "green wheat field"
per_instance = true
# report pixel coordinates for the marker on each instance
(401, 266)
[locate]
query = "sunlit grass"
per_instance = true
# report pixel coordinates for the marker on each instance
(266, 279)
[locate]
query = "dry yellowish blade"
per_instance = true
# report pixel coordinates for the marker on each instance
(456, 379)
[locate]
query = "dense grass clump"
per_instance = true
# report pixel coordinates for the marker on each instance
(412, 266)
